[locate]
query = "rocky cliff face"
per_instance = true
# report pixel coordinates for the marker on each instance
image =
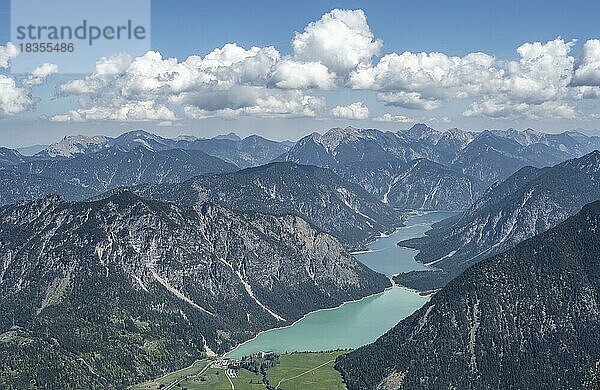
(528, 318)
(134, 287)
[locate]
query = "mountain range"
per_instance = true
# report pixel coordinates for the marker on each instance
(155, 252)
(89, 174)
(250, 151)
(349, 145)
(318, 195)
(418, 168)
(528, 318)
(116, 167)
(527, 203)
(10, 157)
(109, 292)
(78, 167)
(487, 156)
(20, 186)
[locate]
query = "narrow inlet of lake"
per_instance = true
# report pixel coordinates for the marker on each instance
(361, 322)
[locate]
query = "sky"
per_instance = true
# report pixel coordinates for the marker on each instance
(286, 69)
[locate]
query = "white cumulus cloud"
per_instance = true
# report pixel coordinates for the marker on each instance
(40, 74)
(229, 81)
(511, 110)
(387, 117)
(302, 75)
(356, 110)
(15, 97)
(258, 102)
(536, 84)
(7, 53)
(588, 72)
(341, 40)
(413, 100)
(128, 111)
(106, 71)
(337, 51)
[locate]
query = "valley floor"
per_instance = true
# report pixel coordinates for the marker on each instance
(306, 370)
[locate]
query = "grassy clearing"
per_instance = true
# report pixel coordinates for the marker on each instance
(172, 377)
(213, 379)
(242, 382)
(299, 371)
(296, 371)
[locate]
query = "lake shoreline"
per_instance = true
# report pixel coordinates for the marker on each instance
(397, 299)
(320, 310)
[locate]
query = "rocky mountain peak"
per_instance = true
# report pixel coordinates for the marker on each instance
(456, 134)
(73, 145)
(337, 135)
(421, 131)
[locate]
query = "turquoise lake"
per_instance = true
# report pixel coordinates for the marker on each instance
(357, 323)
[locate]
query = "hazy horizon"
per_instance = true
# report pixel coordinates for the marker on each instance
(174, 131)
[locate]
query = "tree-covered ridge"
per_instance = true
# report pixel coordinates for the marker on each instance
(528, 318)
(529, 202)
